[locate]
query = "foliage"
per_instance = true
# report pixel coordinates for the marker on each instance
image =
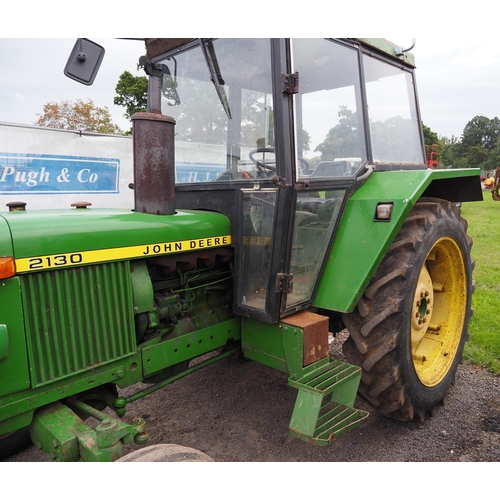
(483, 349)
(430, 137)
(481, 132)
(476, 155)
(77, 115)
(343, 139)
(478, 147)
(448, 152)
(132, 93)
(493, 160)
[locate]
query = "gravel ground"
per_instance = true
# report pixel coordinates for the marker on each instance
(238, 411)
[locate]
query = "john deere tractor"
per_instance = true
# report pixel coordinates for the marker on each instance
(281, 194)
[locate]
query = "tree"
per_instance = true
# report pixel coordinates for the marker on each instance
(493, 158)
(77, 115)
(476, 155)
(450, 152)
(342, 140)
(482, 132)
(132, 93)
(430, 137)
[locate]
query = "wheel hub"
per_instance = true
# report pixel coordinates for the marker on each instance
(423, 304)
(438, 312)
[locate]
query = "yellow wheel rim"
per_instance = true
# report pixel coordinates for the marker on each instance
(438, 312)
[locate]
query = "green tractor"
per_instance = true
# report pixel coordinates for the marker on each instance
(281, 193)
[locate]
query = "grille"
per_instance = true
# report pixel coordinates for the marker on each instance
(77, 319)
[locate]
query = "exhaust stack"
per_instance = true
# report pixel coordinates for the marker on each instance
(154, 163)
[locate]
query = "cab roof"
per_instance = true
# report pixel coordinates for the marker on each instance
(158, 46)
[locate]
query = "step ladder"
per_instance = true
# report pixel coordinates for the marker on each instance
(324, 406)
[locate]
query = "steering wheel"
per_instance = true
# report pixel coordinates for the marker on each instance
(262, 165)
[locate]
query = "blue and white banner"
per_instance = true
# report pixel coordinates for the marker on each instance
(49, 174)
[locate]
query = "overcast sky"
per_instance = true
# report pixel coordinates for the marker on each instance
(458, 78)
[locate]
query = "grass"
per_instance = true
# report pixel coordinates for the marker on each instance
(483, 349)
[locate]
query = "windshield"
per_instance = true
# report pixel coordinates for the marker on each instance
(351, 109)
(221, 99)
(329, 114)
(392, 110)
(331, 111)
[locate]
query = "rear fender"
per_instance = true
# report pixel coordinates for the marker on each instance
(361, 242)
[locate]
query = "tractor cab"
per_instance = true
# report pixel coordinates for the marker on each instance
(275, 133)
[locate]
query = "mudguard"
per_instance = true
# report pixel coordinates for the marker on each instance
(361, 241)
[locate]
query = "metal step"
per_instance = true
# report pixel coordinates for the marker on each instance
(324, 406)
(337, 420)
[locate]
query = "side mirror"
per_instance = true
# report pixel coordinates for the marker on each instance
(84, 61)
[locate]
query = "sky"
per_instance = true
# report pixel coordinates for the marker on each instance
(31, 75)
(457, 79)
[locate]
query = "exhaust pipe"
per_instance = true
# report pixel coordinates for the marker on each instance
(154, 163)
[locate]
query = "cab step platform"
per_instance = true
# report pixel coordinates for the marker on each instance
(324, 406)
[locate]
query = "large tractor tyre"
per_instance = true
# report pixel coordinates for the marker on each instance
(409, 328)
(166, 453)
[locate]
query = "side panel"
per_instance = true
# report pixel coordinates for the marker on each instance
(13, 361)
(361, 243)
(14, 374)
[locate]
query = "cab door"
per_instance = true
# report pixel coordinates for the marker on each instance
(264, 215)
(330, 154)
(289, 225)
(321, 148)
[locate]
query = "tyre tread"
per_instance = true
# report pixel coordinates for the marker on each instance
(374, 341)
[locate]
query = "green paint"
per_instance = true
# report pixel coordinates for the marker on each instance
(281, 346)
(67, 438)
(4, 341)
(188, 346)
(105, 229)
(361, 243)
(14, 375)
(389, 48)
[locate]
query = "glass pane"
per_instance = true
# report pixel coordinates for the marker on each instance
(315, 220)
(258, 217)
(210, 145)
(394, 126)
(329, 122)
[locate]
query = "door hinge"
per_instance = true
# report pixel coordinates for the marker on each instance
(284, 283)
(291, 83)
(279, 181)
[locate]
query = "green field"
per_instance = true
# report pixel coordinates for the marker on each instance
(483, 349)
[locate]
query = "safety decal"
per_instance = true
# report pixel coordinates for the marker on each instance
(58, 261)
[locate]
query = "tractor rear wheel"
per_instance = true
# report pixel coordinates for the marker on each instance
(409, 328)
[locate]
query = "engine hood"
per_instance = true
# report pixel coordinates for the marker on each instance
(53, 239)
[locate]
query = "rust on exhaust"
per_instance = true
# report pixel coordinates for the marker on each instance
(154, 163)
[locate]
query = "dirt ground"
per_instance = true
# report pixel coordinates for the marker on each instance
(238, 411)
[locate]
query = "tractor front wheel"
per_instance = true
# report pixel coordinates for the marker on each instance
(166, 453)
(409, 328)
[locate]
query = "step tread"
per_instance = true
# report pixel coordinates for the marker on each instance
(326, 377)
(334, 420)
